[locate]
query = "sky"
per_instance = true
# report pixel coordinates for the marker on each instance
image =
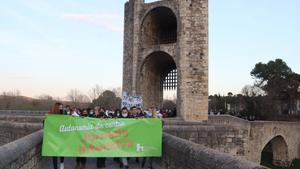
(53, 46)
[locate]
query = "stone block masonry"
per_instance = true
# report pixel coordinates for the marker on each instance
(24, 153)
(162, 36)
(182, 154)
(224, 139)
(242, 139)
(10, 131)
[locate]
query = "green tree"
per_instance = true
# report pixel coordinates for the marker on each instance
(108, 100)
(169, 104)
(280, 83)
(217, 104)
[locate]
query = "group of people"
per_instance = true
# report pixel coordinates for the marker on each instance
(99, 112)
(166, 113)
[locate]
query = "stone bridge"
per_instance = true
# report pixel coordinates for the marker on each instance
(241, 138)
(194, 150)
(283, 137)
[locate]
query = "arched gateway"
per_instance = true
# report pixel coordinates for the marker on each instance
(166, 47)
(277, 152)
(153, 77)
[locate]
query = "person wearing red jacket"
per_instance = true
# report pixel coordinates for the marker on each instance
(57, 109)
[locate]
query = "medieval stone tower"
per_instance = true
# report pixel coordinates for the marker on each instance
(166, 47)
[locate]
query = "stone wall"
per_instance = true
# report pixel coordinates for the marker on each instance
(23, 112)
(22, 118)
(229, 120)
(263, 132)
(24, 153)
(240, 138)
(128, 47)
(10, 131)
(189, 54)
(182, 154)
(224, 139)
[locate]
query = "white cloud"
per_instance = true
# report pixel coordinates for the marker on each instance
(110, 22)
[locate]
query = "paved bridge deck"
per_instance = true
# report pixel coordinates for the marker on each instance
(110, 164)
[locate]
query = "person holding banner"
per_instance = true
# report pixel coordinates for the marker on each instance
(124, 114)
(152, 114)
(117, 113)
(135, 113)
(73, 136)
(57, 109)
(81, 161)
(140, 112)
(100, 113)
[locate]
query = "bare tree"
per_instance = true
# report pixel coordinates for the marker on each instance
(252, 91)
(12, 93)
(95, 92)
(82, 98)
(117, 91)
(77, 97)
(10, 99)
(46, 101)
(73, 96)
(45, 97)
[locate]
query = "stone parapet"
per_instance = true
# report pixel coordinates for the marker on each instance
(182, 154)
(24, 153)
(23, 112)
(224, 139)
(10, 131)
(241, 138)
(22, 118)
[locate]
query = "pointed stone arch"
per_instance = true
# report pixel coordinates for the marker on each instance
(277, 150)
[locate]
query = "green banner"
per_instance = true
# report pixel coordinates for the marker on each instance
(69, 136)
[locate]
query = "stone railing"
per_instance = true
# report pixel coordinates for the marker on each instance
(224, 139)
(213, 119)
(228, 120)
(182, 154)
(24, 153)
(23, 112)
(10, 131)
(180, 121)
(22, 118)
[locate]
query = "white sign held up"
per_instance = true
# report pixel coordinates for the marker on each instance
(130, 101)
